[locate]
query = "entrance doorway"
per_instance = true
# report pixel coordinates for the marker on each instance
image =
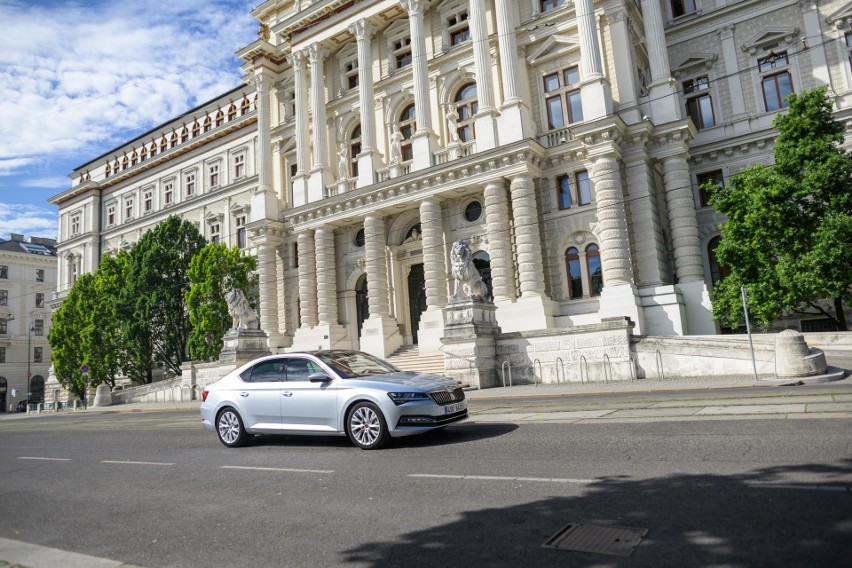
(3, 387)
(37, 389)
(482, 262)
(362, 305)
(416, 298)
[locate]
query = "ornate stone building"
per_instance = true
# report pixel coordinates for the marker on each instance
(566, 141)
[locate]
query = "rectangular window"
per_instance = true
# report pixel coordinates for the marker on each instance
(547, 5)
(699, 104)
(239, 166)
(75, 225)
(214, 233)
(149, 201)
(4, 298)
(168, 194)
(554, 112)
(402, 52)
(776, 82)
(848, 38)
(563, 185)
(350, 71)
(39, 274)
(4, 271)
(584, 188)
(555, 86)
(708, 177)
(241, 232)
(682, 7)
(189, 183)
(4, 329)
(3, 349)
(458, 29)
(39, 300)
(111, 215)
(128, 209)
(571, 76)
(295, 255)
(575, 107)
(38, 327)
(37, 354)
(214, 175)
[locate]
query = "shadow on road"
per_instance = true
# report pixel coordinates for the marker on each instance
(692, 520)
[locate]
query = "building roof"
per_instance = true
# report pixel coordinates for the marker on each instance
(36, 245)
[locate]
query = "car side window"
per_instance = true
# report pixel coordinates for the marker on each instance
(301, 369)
(266, 372)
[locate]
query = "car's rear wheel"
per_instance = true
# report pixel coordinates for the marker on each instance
(229, 427)
(366, 426)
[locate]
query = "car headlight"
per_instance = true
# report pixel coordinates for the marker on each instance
(403, 397)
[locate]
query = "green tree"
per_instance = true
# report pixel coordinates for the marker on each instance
(67, 352)
(788, 233)
(101, 338)
(213, 272)
(152, 308)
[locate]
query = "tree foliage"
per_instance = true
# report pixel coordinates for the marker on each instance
(101, 338)
(788, 233)
(155, 322)
(67, 351)
(213, 272)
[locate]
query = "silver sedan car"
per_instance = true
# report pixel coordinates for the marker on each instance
(329, 393)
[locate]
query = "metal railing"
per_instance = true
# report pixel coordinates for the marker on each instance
(607, 369)
(584, 370)
(503, 372)
(541, 372)
(562, 365)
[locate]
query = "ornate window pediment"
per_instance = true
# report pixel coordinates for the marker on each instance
(694, 62)
(769, 36)
(841, 18)
(552, 47)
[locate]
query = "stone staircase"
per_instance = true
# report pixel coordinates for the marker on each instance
(408, 358)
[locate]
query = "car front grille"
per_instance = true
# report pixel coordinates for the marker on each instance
(448, 397)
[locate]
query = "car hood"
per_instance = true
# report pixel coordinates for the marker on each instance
(414, 379)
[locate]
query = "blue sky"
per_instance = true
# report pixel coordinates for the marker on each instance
(79, 78)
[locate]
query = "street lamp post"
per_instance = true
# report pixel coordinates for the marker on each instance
(29, 356)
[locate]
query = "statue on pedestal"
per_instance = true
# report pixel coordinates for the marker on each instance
(244, 317)
(467, 277)
(396, 145)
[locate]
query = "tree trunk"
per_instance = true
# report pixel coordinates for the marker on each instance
(841, 317)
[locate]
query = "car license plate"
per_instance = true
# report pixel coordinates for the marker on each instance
(453, 408)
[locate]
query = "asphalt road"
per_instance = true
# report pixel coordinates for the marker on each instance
(154, 489)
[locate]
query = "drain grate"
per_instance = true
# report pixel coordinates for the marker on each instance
(615, 541)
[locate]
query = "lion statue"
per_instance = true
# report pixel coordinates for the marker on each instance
(238, 307)
(468, 280)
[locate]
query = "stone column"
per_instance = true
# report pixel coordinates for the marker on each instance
(268, 284)
(499, 241)
(665, 102)
(300, 183)
(597, 101)
(612, 222)
(285, 321)
(380, 334)
(307, 280)
(484, 121)
(369, 160)
(514, 120)
(686, 245)
(527, 237)
(264, 201)
(424, 140)
(625, 66)
(326, 276)
(435, 269)
(320, 174)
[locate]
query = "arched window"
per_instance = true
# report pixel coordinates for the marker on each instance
(354, 150)
(593, 261)
(467, 106)
(414, 233)
(208, 123)
(153, 148)
(116, 166)
(184, 134)
(575, 278)
(196, 129)
(717, 271)
(125, 162)
(232, 112)
(244, 106)
(407, 125)
(220, 118)
(134, 158)
(108, 171)
(143, 155)
(37, 389)
(164, 143)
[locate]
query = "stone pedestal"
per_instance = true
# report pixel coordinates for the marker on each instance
(243, 345)
(430, 332)
(526, 313)
(793, 357)
(470, 349)
(380, 336)
(322, 336)
(622, 301)
(699, 309)
(103, 396)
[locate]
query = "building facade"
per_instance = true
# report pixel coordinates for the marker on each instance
(27, 277)
(565, 141)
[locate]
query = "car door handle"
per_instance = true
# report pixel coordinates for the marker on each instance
(243, 394)
(287, 393)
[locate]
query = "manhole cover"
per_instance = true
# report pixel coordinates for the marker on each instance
(615, 541)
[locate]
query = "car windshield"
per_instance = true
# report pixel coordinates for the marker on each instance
(353, 364)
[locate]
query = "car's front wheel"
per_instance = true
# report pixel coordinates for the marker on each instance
(366, 426)
(230, 428)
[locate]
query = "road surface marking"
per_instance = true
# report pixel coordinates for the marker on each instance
(500, 478)
(801, 487)
(137, 463)
(46, 459)
(291, 470)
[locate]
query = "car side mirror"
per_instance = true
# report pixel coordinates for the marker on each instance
(320, 377)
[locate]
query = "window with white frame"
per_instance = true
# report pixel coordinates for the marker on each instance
(348, 57)
(39, 299)
(4, 297)
(189, 184)
(39, 274)
(699, 103)
(848, 39)
(75, 224)
(4, 271)
(148, 201)
(110, 215)
(562, 97)
(466, 106)
(407, 126)
(458, 28)
(128, 208)
(241, 231)
(401, 52)
(239, 165)
(3, 331)
(214, 233)
(213, 175)
(584, 271)
(354, 150)
(775, 79)
(168, 193)
(682, 7)
(38, 353)
(547, 5)
(38, 327)
(573, 189)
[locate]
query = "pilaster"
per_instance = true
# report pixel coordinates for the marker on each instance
(369, 160)
(665, 102)
(515, 121)
(435, 269)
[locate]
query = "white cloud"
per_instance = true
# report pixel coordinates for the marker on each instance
(60, 182)
(77, 79)
(28, 220)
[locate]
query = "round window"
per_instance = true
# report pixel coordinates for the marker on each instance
(359, 238)
(473, 211)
